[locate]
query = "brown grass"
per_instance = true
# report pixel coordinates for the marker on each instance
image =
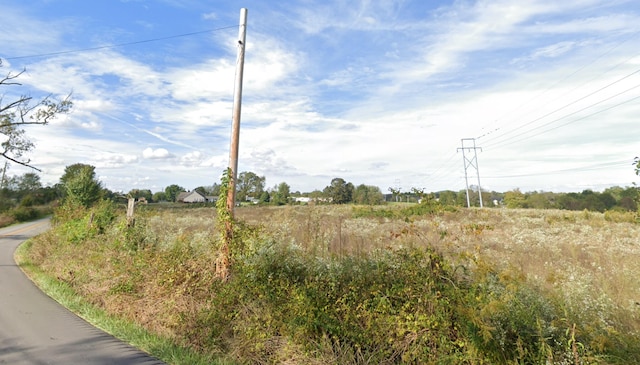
(579, 254)
(590, 259)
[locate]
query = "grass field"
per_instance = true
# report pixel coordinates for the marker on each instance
(345, 284)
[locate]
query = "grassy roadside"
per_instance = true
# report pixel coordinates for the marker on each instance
(353, 285)
(155, 345)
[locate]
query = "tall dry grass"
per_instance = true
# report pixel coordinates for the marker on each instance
(584, 254)
(160, 273)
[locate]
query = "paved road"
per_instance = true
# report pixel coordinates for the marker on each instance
(35, 329)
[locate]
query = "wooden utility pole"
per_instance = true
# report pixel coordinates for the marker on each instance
(237, 106)
(223, 261)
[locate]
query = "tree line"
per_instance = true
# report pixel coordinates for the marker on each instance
(79, 183)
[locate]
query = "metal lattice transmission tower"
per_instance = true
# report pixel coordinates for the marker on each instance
(471, 162)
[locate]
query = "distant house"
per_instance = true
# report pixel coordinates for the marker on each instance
(180, 197)
(191, 197)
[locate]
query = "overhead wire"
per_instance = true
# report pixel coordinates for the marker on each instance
(440, 173)
(631, 36)
(49, 54)
(501, 139)
(599, 166)
(512, 141)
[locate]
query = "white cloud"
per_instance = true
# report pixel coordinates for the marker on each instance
(373, 92)
(156, 154)
(210, 16)
(113, 160)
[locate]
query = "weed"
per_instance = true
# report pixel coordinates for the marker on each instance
(323, 284)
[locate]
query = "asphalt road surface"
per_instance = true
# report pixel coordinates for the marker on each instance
(35, 329)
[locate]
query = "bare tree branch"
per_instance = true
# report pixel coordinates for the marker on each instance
(24, 111)
(20, 162)
(7, 80)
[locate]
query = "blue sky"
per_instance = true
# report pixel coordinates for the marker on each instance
(374, 92)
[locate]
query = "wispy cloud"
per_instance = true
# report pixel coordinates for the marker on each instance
(374, 92)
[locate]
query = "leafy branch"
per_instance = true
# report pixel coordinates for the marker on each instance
(25, 111)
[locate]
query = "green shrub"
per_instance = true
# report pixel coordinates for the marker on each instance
(513, 322)
(75, 223)
(388, 307)
(426, 207)
(618, 216)
(24, 213)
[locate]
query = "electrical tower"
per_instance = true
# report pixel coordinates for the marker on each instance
(471, 162)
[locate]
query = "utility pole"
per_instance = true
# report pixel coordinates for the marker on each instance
(223, 261)
(3, 182)
(473, 162)
(237, 106)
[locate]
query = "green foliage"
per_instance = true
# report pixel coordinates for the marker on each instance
(141, 193)
(515, 199)
(282, 304)
(512, 322)
(426, 207)
(171, 192)
(223, 213)
(24, 213)
(390, 307)
(80, 185)
(340, 191)
(280, 195)
(249, 185)
(21, 111)
(407, 306)
(368, 195)
(614, 198)
(76, 223)
(159, 196)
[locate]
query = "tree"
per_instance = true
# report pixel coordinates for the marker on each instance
(159, 196)
(447, 197)
(29, 182)
(265, 197)
(367, 195)
(141, 193)
(281, 194)
(607, 200)
(202, 190)
(249, 185)
(539, 200)
(171, 192)
(515, 199)
(23, 111)
(340, 191)
(395, 193)
(80, 184)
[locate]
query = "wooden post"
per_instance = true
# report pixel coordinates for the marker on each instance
(131, 219)
(223, 261)
(237, 106)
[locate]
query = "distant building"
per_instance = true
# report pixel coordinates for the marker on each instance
(191, 197)
(302, 199)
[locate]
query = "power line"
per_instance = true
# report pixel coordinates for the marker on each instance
(564, 107)
(600, 166)
(506, 143)
(121, 44)
(632, 36)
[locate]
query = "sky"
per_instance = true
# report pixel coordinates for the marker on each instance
(389, 93)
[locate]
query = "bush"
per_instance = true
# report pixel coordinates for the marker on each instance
(388, 307)
(77, 223)
(24, 214)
